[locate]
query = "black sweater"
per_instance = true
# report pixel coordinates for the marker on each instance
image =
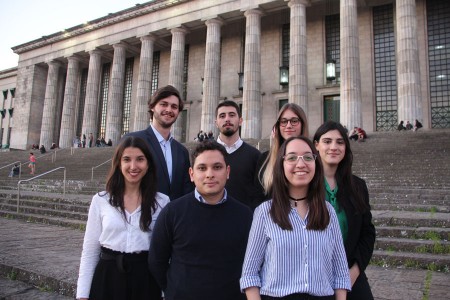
(197, 249)
(241, 184)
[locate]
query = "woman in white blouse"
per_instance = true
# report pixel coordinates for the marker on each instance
(118, 231)
(295, 249)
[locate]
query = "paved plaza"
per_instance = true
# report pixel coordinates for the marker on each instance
(50, 255)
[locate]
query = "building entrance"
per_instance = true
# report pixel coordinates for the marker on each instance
(331, 108)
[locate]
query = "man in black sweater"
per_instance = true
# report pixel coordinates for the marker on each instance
(199, 240)
(241, 157)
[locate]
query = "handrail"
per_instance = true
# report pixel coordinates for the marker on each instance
(20, 166)
(35, 177)
(92, 174)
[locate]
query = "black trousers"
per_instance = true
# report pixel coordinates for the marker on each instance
(120, 276)
(298, 297)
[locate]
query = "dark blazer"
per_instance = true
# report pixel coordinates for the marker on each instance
(181, 183)
(360, 239)
(361, 232)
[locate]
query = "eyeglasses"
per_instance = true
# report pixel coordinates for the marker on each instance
(283, 122)
(292, 159)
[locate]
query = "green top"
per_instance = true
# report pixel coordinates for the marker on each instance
(342, 217)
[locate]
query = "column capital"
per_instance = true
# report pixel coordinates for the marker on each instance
(179, 29)
(253, 11)
(54, 63)
(75, 58)
(216, 20)
(148, 37)
(96, 52)
(298, 2)
(120, 45)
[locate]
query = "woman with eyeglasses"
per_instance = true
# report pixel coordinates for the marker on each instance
(349, 196)
(295, 250)
(291, 122)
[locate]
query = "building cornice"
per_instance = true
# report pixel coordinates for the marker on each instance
(110, 19)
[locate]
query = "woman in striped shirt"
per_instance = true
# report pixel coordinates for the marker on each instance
(295, 249)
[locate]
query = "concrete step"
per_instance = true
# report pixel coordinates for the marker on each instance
(62, 206)
(35, 218)
(434, 262)
(45, 212)
(413, 245)
(410, 207)
(428, 233)
(412, 219)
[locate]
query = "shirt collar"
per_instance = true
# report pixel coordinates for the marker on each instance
(232, 148)
(200, 198)
(160, 138)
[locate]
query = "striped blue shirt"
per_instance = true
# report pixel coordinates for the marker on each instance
(283, 262)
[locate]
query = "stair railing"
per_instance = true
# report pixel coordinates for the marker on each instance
(40, 175)
(16, 162)
(92, 174)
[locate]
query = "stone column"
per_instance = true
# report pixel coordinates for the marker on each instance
(350, 71)
(176, 70)
(90, 114)
(211, 87)
(115, 95)
(144, 86)
(408, 72)
(67, 132)
(49, 111)
(298, 80)
(251, 96)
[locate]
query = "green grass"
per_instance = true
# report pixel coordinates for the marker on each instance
(433, 210)
(432, 235)
(409, 263)
(427, 285)
(82, 227)
(432, 267)
(45, 288)
(12, 275)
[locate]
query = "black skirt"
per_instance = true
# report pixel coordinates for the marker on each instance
(120, 276)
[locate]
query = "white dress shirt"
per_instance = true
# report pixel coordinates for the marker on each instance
(232, 148)
(107, 227)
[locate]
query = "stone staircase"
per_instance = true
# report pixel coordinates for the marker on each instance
(407, 174)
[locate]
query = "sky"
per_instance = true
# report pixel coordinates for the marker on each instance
(22, 21)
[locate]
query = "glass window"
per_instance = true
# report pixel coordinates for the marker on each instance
(385, 68)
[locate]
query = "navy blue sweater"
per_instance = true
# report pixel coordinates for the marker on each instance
(197, 249)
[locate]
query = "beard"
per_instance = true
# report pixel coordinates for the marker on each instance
(228, 131)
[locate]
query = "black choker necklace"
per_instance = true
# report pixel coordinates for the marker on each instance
(297, 200)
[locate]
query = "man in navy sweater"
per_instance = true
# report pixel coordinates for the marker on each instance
(199, 240)
(241, 157)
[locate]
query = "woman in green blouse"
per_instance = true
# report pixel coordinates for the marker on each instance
(348, 195)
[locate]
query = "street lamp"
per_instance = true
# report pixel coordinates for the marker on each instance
(203, 84)
(241, 81)
(331, 69)
(284, 76)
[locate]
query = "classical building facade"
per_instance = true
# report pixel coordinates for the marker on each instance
(391, 62)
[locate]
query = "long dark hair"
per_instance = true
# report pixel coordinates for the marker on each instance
(344, 173)
(318, 215)
(115, 184)
(265, 174)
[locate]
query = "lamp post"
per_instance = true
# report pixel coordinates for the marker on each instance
(331, 69)
(284, 76)
(241, 81)
(203, 84)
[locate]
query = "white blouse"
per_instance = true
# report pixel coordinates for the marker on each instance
(107, 227)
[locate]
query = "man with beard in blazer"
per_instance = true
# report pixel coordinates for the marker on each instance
(171, 157)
